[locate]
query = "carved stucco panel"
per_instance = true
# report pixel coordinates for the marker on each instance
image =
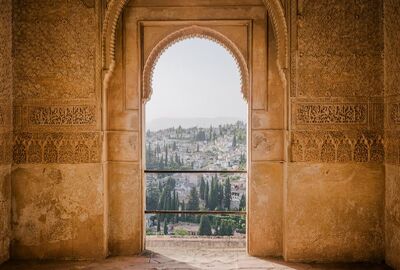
(392, 47)
(61, 63)
(347, 59)
(337, 146)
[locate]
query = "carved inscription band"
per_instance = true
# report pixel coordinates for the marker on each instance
(62, 115)
(308, 113)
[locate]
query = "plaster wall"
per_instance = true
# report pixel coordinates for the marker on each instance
(335, 186)
(322, 202)
(5, 126)
(58, 208)
(392, 131)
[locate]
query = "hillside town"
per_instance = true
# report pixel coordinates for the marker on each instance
(201, 149)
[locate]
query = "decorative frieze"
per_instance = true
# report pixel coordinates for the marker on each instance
(62, 115)
(392, 146)
(57, 148)
(337, 146)
(310, 113)
(394, 113)
(5, 148)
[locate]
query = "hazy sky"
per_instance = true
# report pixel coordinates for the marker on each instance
(196, 78)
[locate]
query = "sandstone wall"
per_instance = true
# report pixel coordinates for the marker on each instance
(5, 126)
(335, 186)
(392, 130)
(57, 176)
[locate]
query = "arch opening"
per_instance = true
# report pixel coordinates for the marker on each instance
(196, 122)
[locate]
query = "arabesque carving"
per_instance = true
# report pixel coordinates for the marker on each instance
(187, 33)
(394, 113)
(61, 63)
(62, 115)
(67, 148)
(331, 65)
(309, 113)
(337, 146)
(392, 48)
(5, 148)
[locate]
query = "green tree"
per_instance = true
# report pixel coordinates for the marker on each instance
(227, 194)
(213, 197)
(174, 146)
(152, 198)
(166, 156)
(234, 141)
(242, 203)
(206, 195)
(205, 226)
(202, 188)
(193, 203)
(226, 228)
(165, 228)
(220, 196)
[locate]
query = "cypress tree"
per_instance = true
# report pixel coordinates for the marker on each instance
(213, 198)
(227, 194)
(242, 203)
(166, 156)
(234, 142)
(220, 195)
(165, 228)
(193, 203)
(202, 188)
(158, 224)
(206, 195)
(205, 226)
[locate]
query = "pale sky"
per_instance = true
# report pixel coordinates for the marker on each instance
(196, 78)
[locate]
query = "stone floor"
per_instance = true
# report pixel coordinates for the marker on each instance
(179, 258)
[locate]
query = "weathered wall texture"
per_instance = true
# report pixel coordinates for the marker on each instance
(392, 130)
(335, 187)
(5, 126)
(57, 177)
(124, 176)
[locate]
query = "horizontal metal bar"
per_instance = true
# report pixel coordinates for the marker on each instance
(194, 171)
(188, 212)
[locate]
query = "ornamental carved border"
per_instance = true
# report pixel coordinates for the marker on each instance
(188, 33)
(331, 113)
(394, 113)
(64, 148)
(338, 114)
(62, 115)
(337, 146)
(5, 148)
(70, 116)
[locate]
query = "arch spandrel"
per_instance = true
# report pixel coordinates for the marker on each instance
(188, 33)
(115, 8)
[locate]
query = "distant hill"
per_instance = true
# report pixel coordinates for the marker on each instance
(164, 123)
